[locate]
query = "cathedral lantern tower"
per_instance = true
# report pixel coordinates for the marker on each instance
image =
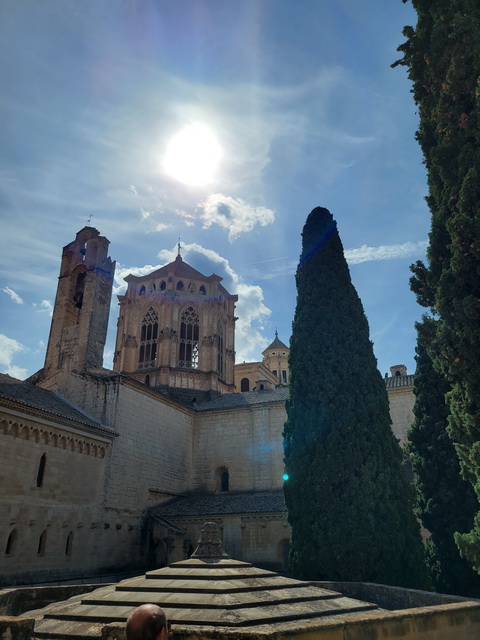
(176, 332)
(275, 358)
(82, 305)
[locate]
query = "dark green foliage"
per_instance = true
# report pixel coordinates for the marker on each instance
(443, 57)
(446, 502)
(349, 505)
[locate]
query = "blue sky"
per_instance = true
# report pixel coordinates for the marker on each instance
(305, 111)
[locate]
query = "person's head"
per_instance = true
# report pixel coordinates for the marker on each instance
(147, 622)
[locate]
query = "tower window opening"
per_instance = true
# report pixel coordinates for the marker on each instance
(41, 470)
(148, 340)
(163, 285)
(222, 479)
(79, 288)
(202, 291)
(189, 335)
(284, 376)
(142, 291)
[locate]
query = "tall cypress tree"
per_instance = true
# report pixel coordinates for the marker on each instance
(446, 502)
(443, 57)
(349, 505)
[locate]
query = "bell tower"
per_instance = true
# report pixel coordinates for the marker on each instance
(80, 316)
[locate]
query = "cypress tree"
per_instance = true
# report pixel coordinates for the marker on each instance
(446, 502)
(443, 57)
(349, 505)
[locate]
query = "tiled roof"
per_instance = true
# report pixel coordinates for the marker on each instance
(44, 400)
(276, 344)
(393, 382)
(222, 504)
(247, 399)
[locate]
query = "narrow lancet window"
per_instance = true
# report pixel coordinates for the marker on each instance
(189, 333)
(41, 470)
(148, 340)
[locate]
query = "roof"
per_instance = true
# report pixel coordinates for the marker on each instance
(211, 504)
(246, 399)
(276, 344)
(179, 267)
(49, 402)
(208, 590)
(394, 382)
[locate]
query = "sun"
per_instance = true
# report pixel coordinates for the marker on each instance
(192, 156)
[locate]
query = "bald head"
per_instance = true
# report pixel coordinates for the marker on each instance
(147, 622)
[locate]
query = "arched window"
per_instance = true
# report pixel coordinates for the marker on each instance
(142, 291)
(397, 373)
(11, 542)
(284, 376)
(202, 291)
(79, 288)
(179, 285)
(41, 470)
(163, 285)
(189, 332)
(148, 340)
(69, 544)
(245, 384)
(222, 479)
(220, 350)
(42, 543)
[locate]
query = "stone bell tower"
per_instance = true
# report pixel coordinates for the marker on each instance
(80, 316)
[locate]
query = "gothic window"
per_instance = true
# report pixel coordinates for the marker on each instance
(179, 285)
(69, 544)
(41, 470)
(148, 340)
(142, 291)
(163, 285)
(220, 351)
(397, 373)
(189, 332)
(203, 291)
(284, 376)
(12, 539)
(42, 543)
(245, 384)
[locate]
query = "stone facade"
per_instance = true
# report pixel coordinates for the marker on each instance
(113, 470)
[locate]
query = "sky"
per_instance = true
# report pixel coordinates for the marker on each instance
(219, 122)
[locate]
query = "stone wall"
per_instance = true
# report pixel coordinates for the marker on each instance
(46, 516)
(247, 441)
(401, 401)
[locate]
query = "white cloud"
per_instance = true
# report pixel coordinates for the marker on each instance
(45, 306)
(162, 227)
(233, 214)
(14, 296)
(8, 349)
(384, 252)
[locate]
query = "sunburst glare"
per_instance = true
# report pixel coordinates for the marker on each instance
(193, 155)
